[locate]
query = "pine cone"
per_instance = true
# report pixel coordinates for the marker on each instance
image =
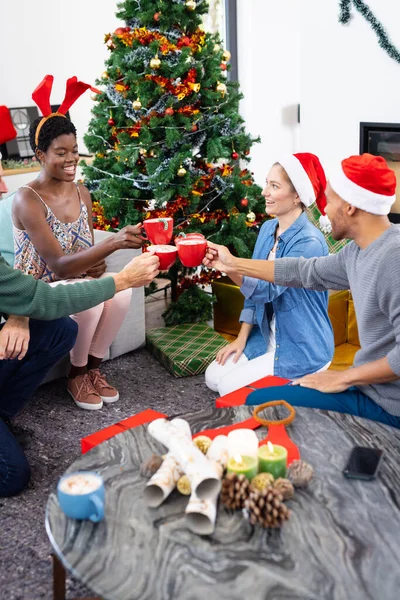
(266, 508)
(262, 481)
(184, 486)
(285, 487)
(203, 442)
(235, 490)
(300, 473)
(151, 465)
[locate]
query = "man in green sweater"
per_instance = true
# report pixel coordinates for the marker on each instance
(52, 334)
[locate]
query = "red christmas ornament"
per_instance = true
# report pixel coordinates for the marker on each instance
(119, 31)
(244, 202)
(169, 112)
(247, 152)
(194, 127)
(235, 155)
(157, 16)
(111, 121)
(223, 66)
(185, 41)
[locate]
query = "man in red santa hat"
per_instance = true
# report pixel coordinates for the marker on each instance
(359, 197)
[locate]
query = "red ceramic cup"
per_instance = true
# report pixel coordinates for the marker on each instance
(166, 255)
(189, 236)
(159, 231)
(192, 251)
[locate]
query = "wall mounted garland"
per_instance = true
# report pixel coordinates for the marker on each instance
(383, 38)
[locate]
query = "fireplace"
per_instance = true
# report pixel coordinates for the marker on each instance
(383, 139)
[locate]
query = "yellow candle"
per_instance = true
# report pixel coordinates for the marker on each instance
(246, 465)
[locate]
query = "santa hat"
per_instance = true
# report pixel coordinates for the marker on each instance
(366, 182)
(308, 178)
(7, 129)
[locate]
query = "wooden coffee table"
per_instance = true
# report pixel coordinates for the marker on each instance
(342, 541)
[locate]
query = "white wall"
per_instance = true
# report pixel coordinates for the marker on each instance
(62, 39)
(269, 76)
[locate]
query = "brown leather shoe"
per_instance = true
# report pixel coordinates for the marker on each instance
(83, 393)
(107, 392)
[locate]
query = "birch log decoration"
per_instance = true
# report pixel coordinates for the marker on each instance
(160, 486)
(201, 514)
(177, 437)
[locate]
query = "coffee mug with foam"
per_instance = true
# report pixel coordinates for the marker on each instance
(81, 495)
(188, 236)
(191, 251)
(159, 231)
(166, 255)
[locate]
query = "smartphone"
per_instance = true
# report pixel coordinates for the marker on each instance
(363, 463)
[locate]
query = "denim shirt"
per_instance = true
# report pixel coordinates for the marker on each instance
(304, 336)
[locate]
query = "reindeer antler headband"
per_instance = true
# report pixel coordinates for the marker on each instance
(41, 97)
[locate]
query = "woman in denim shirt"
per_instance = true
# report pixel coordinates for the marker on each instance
(285, 331)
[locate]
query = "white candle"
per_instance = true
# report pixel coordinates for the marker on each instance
(242, 442)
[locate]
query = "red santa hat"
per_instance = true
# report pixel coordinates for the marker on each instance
(7, 129)
(308, 178)
(366, 182)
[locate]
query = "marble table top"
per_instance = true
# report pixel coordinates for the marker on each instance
(342, 541)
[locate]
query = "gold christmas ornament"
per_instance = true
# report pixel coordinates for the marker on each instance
(221, 88)
(94, 96)
(142, 151)
(181, 171)
(250, 217)
(184, 486)
(191, 5)
(226, 55)
(203, 442)
(262, 481)
(136, 104)
(155, 62)
(104, 75)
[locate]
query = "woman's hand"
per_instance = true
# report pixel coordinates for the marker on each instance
(218, 257)
(129, 237)
(235, 348)
(97, 270)
(14, 338)
(329, 382)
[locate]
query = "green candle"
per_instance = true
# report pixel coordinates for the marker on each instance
(272, 459)
(246, 465)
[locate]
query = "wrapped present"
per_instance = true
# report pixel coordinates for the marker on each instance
(228, 306)
(184, 349)
(238, 397)
(146, 416)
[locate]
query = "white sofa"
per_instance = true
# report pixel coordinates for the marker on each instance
(132, 333)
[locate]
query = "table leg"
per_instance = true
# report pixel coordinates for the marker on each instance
(59, 577)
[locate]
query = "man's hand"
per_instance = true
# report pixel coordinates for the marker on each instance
(329, 382)
(97, 270)
(129, 237)
(235, 348)
(218, 257)
(140, 271)
(14, 338)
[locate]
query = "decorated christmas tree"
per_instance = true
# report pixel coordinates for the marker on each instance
(169, 141)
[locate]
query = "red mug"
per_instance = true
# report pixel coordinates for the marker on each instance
(159, 231)
(166, 255)
(189, 236)
(192, 251)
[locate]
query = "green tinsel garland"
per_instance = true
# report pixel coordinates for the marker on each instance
(366, 12)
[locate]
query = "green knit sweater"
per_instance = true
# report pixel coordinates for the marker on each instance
(23, 295)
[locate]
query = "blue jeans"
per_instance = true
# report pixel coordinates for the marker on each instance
(352, 402)
(49, 342)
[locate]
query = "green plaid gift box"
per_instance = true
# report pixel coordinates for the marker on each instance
(184, 349)
(333, 245)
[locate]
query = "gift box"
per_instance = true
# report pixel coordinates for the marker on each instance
(184, 349)
(146, 416)
(238, 397)
(228, 306)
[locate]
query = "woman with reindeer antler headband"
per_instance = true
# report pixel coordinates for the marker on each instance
(53, 239)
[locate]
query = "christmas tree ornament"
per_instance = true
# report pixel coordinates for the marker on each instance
(142, 151)
(203, 442)
(119, 31)
(152, 154)
(94, 96)
(157, 16)
(191, 5)
(184, 486)
(110, 44)
(151, 465)
(244, 202)
(285, 487)
(104, 75)
(235, 155)
(185, 41)
(169, 111)
(235, 491)
(111, 122)
(181, 171)
(300, 473)
(221, 88)
(136, 104)
(194, 127)
(262, 481)
(226, 55)
(223, 66)
(251, 217)
(266, 508)
(155, 62)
